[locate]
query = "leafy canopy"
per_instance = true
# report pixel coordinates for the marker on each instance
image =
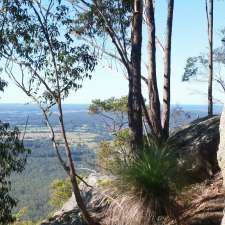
(109, 105)
(13, 159)
(197, 67)
(37, 38)
(103, 16)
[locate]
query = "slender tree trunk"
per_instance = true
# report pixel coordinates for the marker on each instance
(72, 171)
(154, 103)
(210, 38)
(167, 71)
(135, 95)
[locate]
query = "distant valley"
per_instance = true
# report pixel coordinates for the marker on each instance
(84, 131)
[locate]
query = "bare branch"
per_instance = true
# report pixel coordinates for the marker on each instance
(112, 34)
(160, 44)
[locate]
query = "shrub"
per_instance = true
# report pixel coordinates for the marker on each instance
(61, 191)
(110, 153)
(20, 218)
(146, 186)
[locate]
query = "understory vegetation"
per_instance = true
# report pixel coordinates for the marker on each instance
(145, 186)
(61, 191)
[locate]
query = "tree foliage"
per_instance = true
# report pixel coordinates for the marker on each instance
(13, 159)
(190, 69)
(19, 218)
(102, 17)
(110, 153)
(196, 67)
(109, 105)
(3, 84)
(40, 43)
(38, 40)
(113, 111)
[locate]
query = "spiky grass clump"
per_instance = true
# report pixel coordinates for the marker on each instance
(152, 172)
(146, 187)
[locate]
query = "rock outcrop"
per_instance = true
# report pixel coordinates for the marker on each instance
(221, 151)
(93, 197)
(203, 203)
(197, 145)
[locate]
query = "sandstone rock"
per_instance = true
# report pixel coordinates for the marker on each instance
(69, 214)
(221, 151)
(197, 145)
(202, 203)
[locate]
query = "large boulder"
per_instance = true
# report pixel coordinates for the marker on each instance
(202, 203)
(93, 198)
(221, 151)
(197, 145)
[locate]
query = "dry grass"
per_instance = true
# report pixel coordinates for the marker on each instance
(136, 209)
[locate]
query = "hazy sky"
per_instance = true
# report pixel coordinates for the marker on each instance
(189, 39)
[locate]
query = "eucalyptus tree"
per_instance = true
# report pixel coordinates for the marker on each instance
(154, 102)
(209, 12)
(46, 63)
(167, 70)
(112, 111)
(103, 19)
(160, 126)
(195, 64)
(119, 21)
(197, 68)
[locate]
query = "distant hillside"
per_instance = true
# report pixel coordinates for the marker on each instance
(85, 131)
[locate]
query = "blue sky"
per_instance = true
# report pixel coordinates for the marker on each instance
(189, 39)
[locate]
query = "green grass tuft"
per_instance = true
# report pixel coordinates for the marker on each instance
(152, 172)
(152, 176)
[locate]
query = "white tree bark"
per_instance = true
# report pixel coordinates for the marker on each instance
(221, 152)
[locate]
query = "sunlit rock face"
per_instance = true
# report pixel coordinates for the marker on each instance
(221, 151)
(197, 144)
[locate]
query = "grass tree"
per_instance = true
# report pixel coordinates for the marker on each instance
(46, 63)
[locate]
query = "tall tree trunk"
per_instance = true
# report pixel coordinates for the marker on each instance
(72, 172)
(154, 103)
(167, 70)
(135, 95)
(210, 38)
